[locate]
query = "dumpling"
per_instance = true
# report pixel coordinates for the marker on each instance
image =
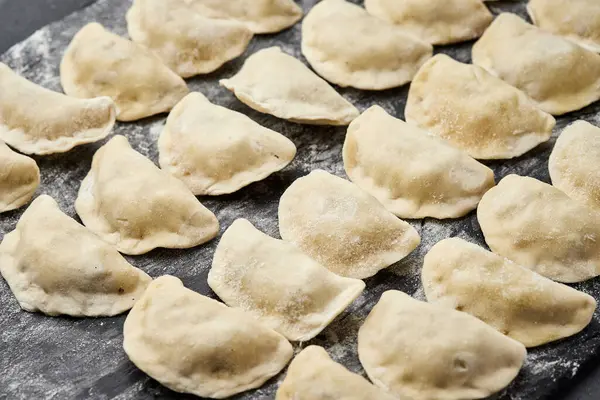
(260, 16)
(516, 301)
(575, 163)
(276, 83)
(35, 120)
(343, 227)
(127, 201)
(348, 47)
(313, 375)
(413, 174)
(576, 20)
(278, 284)
(557, 74)
(19, 179)
(475, 111)
(435, 21)
(187, 42)
(214, 150)
(421, 351)
(56, 266)
(100, 63)
(193, 344)
(541, 228)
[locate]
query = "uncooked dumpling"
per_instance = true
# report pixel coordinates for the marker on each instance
(556, 73)
(516, 301)
(475, 111)
(100, 63)
(193, 344)
(348, 47)
(35, 120)
(575, 163)
(313, 375)
(129, 202)
(413, 174)
(577, 20)
(276, 83)
(435, 21)
(422, 351)
(187, 42)
(56, 266)
(277, 283)
(19, 179)
(343, 227)
(539, 227)
(214, 150)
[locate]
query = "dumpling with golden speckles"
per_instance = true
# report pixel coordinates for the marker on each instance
(19, 178)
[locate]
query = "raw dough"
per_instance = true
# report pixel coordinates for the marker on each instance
(19, 179)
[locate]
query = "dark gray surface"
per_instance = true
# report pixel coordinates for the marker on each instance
(43, 357)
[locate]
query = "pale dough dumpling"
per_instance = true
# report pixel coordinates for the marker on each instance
(193, 344)
(516, 301)
(421, 351)
(348, 47)
(435, 21)
(214, 150)
(575, 163)
(187, 42)
(276, 83)
(19, 179)
(100, 63)
(278, 284)
(313, 375)
(475, 111)
(56, 266)
(343, 227)
(556, 73)
(413, 174)
(539, 227)
(35, 120)
(577, 20)
(129, 202)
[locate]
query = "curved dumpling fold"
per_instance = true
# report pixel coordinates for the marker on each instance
(276, 83)
(348, 47)
(413, 174)
(35, 120)
(129, 202)
(19, 178)
(56, 266)
(278, 284)
(100, 63)
(194, 344)
(214, 150)
(343, 227)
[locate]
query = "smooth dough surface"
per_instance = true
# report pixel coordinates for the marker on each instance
(35, 120)
(100, 63)
(435, 21)
(556, 73)
(193, 344)
(19, 178)
(349, 47)
(412, 173)
(539, 227)
(278, 284)
(56, 266)
(421, 351)
(343, 227)
(313, 375)
(575, 163)
(265, 84)
(186, 41)
(215, 151)
(515, 300)
(475, 111)
(127, 201)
